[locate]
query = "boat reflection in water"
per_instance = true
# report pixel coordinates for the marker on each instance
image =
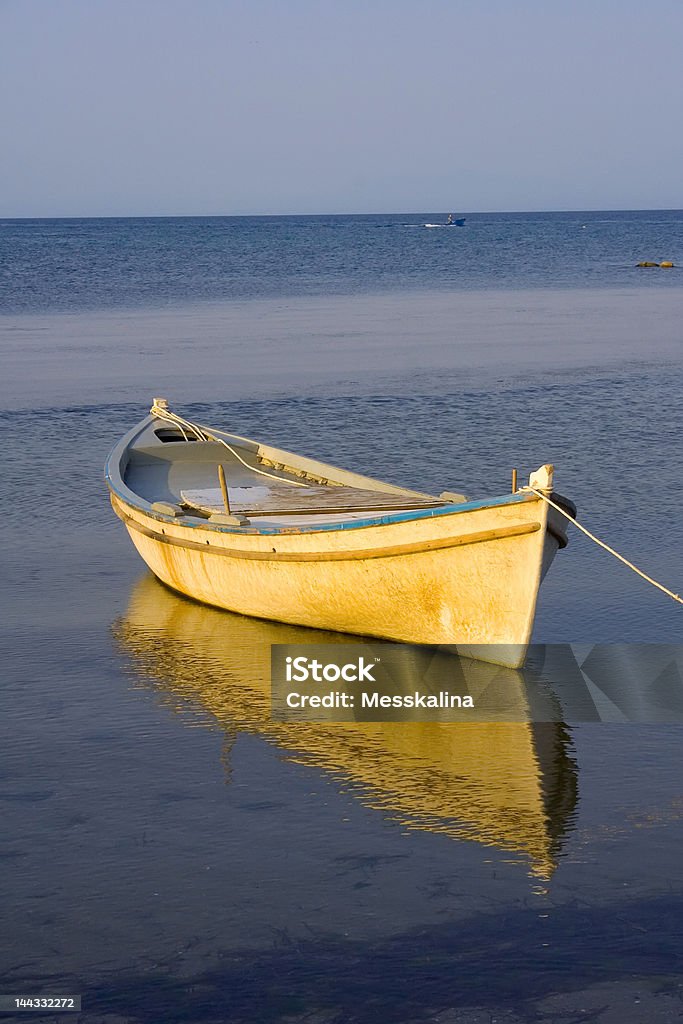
(510, 784)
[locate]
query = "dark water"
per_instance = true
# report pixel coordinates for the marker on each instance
(172, 854)
(73, 265)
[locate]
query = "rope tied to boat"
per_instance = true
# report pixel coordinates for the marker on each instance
(162, 412)
(600, 543)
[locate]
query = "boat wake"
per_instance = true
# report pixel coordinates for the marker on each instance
(459, 223)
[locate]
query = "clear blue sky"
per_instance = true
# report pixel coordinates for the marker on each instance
(115, 107)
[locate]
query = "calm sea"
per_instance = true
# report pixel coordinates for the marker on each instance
(169, 853)
(73, 265)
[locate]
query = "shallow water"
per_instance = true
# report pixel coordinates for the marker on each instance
(171, 854)
(399, 344)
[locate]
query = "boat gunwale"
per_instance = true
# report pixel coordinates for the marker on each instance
(345, 555)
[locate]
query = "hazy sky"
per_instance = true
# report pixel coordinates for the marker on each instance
(309, 106)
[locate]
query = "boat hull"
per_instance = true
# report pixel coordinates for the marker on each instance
(468, 580)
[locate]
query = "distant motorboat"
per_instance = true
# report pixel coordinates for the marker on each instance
(451, 222)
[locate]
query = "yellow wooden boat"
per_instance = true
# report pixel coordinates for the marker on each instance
(510, 785)
(254, 529)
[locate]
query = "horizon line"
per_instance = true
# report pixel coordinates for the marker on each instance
(358, 213)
